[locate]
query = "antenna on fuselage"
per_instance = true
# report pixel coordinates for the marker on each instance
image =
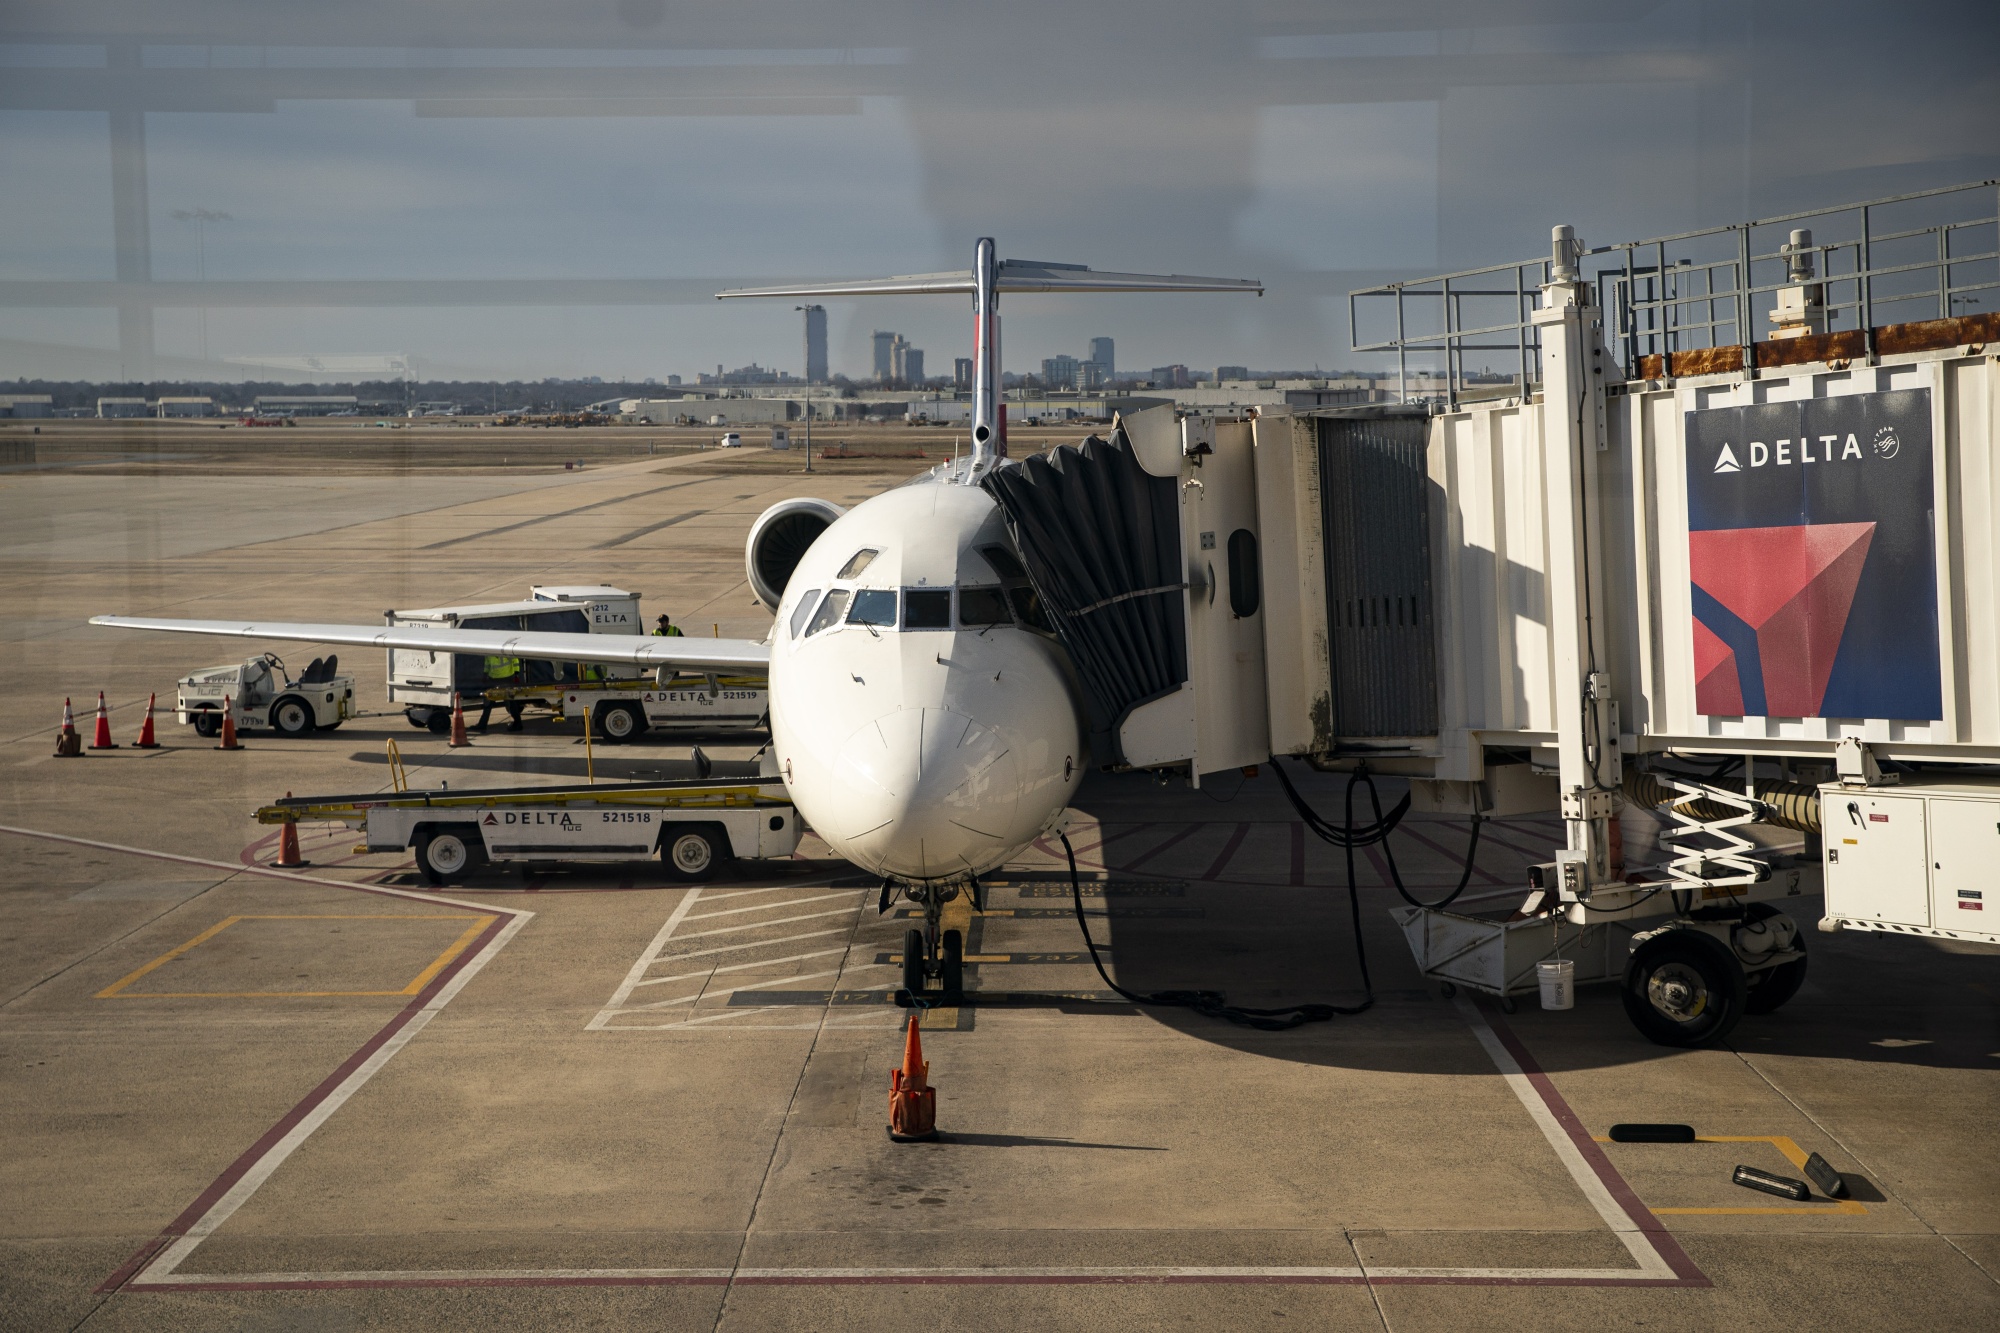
(987, 278)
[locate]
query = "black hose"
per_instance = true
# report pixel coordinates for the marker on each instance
(1379, 831)
(1214, 1004)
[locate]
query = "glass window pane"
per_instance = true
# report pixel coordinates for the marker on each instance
(829, 611)
(982, 606)
(1028, 608)
(860, 561)
(927, 608)
(802, 610)
(873, 606)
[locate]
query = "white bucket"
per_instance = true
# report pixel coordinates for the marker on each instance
(1558, 978)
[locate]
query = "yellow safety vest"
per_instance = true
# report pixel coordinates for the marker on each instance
(502, 668)
(670, 632)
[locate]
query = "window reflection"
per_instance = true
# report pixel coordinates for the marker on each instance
(829, 611)
(874, 606)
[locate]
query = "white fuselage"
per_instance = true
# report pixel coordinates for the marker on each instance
(927, 745)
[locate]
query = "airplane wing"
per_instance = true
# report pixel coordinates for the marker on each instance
(1015, 275)
(698, 654)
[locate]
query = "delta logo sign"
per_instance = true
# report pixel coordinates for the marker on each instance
(1810, 550)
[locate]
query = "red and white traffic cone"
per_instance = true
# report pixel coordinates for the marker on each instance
(912, 1100)
(69, 745)
(458, 737)
(288, 845)
(147, 740)
(102, 740)
(228, 725)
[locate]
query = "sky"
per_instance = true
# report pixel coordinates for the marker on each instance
(521, 189)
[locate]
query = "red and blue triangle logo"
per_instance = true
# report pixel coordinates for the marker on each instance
(1770, 606)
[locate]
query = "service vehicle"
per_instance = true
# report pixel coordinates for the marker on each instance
(696, 828)
(261, 696)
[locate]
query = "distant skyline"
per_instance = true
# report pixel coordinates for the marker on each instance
(521, 174)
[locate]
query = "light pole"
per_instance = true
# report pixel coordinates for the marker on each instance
(201, 217)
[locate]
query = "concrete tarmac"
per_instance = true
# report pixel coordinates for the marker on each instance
(240, 1097)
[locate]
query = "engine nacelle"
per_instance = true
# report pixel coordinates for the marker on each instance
(779, 539)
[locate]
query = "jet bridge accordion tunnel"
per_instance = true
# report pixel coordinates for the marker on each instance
(1234, 585)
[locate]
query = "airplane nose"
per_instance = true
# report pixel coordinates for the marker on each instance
(926, 792)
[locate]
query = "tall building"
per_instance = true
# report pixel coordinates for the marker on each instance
(885, 354)
(1091, 376)
(913, 366)
(815, 344)
(1106, 357)
(1171, 377)
(1231, 373)
(1059, 372)
(961, 372)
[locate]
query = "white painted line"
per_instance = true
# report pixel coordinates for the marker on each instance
(731, 990)
(747, 944)
(1651, 1262)
(771, 907)
(646, 960)
(759, 925)
(744, 967)
(751, 893)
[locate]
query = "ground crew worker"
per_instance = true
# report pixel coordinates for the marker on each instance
(502, 671)
(666, 629)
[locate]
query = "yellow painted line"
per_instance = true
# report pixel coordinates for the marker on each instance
(116, 989)
(458, 947)
(1793, 1154)
(168, 957)
(957, 915)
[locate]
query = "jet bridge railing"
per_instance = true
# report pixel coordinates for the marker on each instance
(1929, 254)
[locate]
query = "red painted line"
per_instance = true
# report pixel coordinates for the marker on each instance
(1642, 1217)
(1106, 841)
(1178, 838)
(236, 1170)
(921, 1280)
(1228, 850)
(1298, 854)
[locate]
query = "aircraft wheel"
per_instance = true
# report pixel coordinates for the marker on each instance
(913, 961)
(1684, 988)
(951, 971)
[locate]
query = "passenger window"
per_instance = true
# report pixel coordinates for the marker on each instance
(873, 606)
(802, 610)
(829, 611)
(1245, 580)
(927, 608)
(980, 607)
(858, 562)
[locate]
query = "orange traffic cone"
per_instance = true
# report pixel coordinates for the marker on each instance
(228, 725)
(69, 745)
(912, 1100)
(288, 845)
(102, 740)
(148, 741)
(458, 736)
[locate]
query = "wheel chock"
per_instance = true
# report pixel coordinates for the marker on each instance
(1652, 1133)
(912, 1100)
(1750, 1178)
(1831, 1183)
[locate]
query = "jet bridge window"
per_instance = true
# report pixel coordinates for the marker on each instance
(859, 561)
(874, 606)
(980, 607)
(927, 608)
(803, 610)
(829, 611)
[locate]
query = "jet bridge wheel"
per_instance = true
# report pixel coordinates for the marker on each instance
(1770, 988)
(1684, 988)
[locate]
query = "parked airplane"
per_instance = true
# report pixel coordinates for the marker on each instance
(924, 720)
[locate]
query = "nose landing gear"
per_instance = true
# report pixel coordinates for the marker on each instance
(935, 953)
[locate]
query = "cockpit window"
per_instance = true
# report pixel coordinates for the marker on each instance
(1004, 562)
(1028, 608)
(927, 608)
(829, 611)
(873, 606)
(980, 607)
(802, 610)
(858, 562)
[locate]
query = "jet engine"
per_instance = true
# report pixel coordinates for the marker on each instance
(779, 539)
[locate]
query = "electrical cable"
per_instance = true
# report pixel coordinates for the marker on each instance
(1214, 1004)
(1377, 832)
